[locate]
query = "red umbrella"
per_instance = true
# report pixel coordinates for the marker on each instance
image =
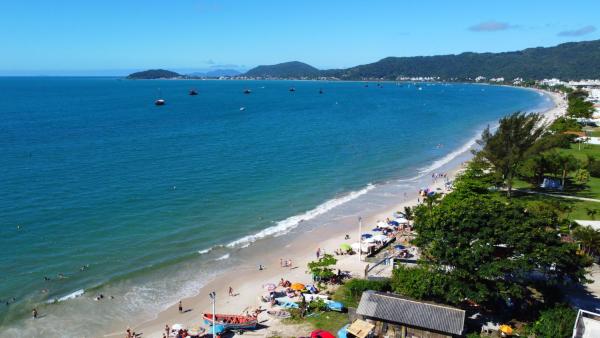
(321, 334)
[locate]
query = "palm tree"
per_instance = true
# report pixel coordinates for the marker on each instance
(591, 212)
(408, 214)
(588, 238)
(431, 200)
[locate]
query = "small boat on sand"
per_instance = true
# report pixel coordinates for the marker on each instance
(279, 314)
(231, 322)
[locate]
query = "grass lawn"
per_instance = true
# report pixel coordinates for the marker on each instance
(573, 209)
(582, 151)
(329, 321)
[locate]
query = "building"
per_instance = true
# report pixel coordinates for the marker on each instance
(399, 317)
(587, 325)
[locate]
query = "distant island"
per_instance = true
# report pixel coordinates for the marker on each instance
(567, 61)
(154, 74)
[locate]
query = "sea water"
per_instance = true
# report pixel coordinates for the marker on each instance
(104, 192)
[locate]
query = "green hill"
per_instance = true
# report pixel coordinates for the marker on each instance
(154, 74)
(293, 69)
(567, 61)
(574, 60)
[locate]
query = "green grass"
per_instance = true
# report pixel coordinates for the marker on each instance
(582, 151)
(329, 321)
(572, 209)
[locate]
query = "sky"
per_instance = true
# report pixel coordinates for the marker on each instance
(116, 37)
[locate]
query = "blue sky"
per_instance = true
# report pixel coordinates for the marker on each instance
(105, 37)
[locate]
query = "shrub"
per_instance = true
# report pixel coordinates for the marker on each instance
(556, 322)
(593, 167)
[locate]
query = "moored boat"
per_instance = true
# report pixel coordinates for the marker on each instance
(231, 322)
(193, 92)
(247, 91)
(159, 102)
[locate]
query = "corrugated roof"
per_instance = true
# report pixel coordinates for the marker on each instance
(394, 308)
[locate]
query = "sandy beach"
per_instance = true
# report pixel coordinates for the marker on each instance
(246, 279)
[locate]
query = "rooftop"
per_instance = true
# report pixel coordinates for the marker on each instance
(394, 308)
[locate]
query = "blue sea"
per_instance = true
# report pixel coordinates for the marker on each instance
(101, 186)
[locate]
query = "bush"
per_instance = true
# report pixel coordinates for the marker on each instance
(593, 167)
(556, 322)
(355, 287)
(424, 284)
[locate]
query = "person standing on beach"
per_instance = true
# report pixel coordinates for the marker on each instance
(180, 307)
(167, 329)
(230, 291)
(318, 253)
(34, 313)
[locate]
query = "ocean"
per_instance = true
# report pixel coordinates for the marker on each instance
(104, 192)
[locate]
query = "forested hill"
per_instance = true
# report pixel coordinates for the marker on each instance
(154, 74)
(574, 60)
(293, 69)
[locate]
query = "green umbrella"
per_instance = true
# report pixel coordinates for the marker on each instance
(345, 246)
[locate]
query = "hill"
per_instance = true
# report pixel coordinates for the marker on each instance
(154, 74)
(573, 60)
(293, 69)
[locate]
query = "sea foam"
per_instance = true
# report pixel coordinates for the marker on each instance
(292, 222)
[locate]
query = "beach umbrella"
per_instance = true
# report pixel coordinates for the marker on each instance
(369, 240)
(345, 246)
(376, 229)
(381, 224)
(394, 223)
(380, 238)
(298, 286)
(506, 329)
(399, 247)
(367, 235)
(270, 287)
(401, 220)
(321, 334)
(177, 327)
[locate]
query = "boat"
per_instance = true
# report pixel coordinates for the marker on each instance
(242, 108)
(231, 322)
(292, 89)
(320, 91)
(159, 102)
(279, 314)
(247, 91)
(193, 92)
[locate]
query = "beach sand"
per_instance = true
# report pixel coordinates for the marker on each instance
(246, 280)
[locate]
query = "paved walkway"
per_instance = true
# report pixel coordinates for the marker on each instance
(559, 195)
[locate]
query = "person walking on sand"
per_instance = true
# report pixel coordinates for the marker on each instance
(231, 291)
(167, 329)
(318, 253)
(180, 307)
(34, 313)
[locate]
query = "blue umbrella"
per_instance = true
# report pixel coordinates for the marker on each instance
(366, 235)
(399, 247)
(375, 229)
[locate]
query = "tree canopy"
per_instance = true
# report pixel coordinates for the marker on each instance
(486, 248)
(507, 147)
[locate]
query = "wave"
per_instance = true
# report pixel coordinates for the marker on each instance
(222, 258)
(290, 223)
(72, 295)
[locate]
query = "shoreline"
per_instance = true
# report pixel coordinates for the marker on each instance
(302, 247)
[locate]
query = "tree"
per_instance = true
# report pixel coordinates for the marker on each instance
(565, 164)
(490, 247)
(581, 176)
(556, 322)
(322, 269)
(591, 212)
(506, 148)
(408, 213)
(588, 238)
